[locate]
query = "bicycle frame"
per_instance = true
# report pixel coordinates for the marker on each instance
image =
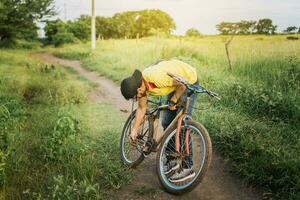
(180, 119)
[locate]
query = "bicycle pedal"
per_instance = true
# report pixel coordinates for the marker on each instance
(147, 150)
(145, 155)
(151, 146)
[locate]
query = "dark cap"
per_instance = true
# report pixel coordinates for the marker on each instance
(130, 84)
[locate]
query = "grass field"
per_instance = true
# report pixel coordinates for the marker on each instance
(256, 124)
(53, 139)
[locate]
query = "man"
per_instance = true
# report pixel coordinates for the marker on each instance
(155, 81)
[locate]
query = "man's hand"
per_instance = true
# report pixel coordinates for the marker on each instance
(133, 135)
(140, 113)
(180, 88)
(173, 101)
(172, 107)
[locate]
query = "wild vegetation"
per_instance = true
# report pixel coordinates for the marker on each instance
(256, 124)
(53, 139)
(130, 24)
(18, 19)
(262, 26)
(192, 32)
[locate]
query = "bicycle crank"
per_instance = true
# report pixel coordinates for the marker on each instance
(150, 144)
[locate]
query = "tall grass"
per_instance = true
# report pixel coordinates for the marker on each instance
(54, 144)
(256, 123)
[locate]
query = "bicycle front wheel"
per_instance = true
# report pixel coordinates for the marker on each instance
(197, 160)
(132, 155)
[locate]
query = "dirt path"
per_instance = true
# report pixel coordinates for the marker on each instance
(218, 183)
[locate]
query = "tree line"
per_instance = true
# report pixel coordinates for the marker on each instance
(130, 24)
(19, 18)
(244, 27)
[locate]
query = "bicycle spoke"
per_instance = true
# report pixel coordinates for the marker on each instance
(192, 161)
(134, 152)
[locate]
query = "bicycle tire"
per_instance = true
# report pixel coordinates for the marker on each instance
(125, 160)
(204, 169)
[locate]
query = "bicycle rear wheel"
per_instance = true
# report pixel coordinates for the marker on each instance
(200, 151)
(132, 155)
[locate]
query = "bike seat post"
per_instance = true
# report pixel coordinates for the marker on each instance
(160, 101)
(187, 104)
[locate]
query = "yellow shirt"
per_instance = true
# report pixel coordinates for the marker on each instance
(160, 84)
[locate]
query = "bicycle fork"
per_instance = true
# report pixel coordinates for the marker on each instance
(177, 136)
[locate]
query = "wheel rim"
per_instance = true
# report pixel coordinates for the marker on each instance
(131, 153)
(199, 158)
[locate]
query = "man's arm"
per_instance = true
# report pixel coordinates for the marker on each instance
(180, 88)
(140, 113)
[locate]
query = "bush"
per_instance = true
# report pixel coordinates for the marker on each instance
(292, 38)
(61, 38)
(81, 27)
(192, 33)
(66, 128)
(266, 102)
(261, 151)
(58, 33)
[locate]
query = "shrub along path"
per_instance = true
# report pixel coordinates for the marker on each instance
(219, 183)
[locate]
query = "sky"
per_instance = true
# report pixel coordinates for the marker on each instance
(200, 14)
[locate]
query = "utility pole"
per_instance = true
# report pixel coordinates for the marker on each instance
(65, 11)
(93, 31)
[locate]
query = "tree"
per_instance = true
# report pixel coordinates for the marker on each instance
(246, 27)
(105, 27)
(81, 27)
(291, 30)
(240, 28)
(265, 26)
(192, 32)
(52, 28)
(18, 18)
(57, 32)
(154, 19)
(132, 23)
(143, 23)
(228, 28)
(124, 25)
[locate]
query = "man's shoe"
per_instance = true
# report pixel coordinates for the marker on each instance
(182, 175)
(171, 166)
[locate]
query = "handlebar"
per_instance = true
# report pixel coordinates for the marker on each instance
(160, 107)
(193, 89)
(213, 94)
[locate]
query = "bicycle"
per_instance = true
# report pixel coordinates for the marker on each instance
(174, 144)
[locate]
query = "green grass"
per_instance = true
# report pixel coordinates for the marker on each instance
(256, 124)
(55, 144)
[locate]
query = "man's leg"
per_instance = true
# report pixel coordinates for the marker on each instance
(187, 170)
(168, 116)
(188, 161)
(171, 162)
